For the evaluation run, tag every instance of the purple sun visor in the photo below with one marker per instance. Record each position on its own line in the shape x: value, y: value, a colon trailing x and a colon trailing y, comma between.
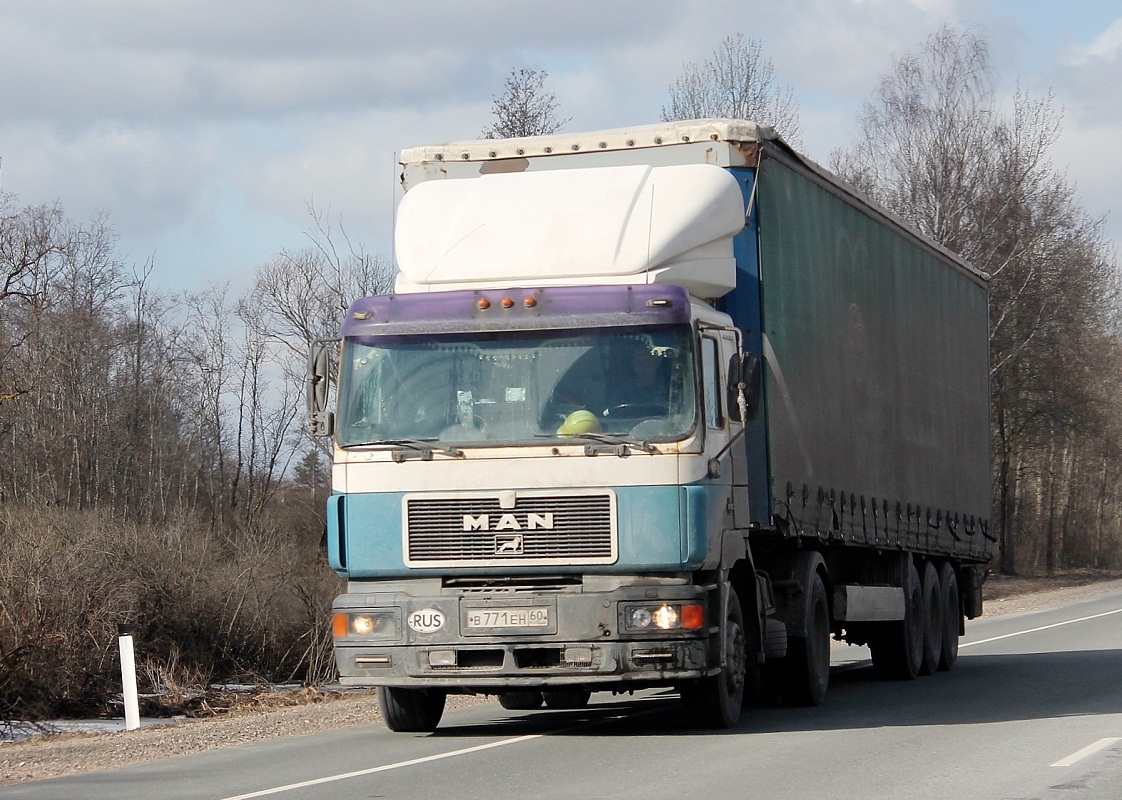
x: 555, y: 307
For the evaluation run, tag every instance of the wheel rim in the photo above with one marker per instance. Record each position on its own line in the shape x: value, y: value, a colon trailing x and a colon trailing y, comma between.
x: 734, y: 675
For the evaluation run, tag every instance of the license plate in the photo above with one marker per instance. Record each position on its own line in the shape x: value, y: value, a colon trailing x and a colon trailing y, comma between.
x: 530, y: 617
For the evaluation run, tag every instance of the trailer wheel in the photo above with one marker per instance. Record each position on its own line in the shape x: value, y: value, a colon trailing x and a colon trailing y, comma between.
x: 521, y: 701
x: 567, y: 698
x: 411, y: 710
x: 715, y: 701
x: 806, y: 668
x: 932, y: 621
x: 897, y: 649
x: 952, y: 616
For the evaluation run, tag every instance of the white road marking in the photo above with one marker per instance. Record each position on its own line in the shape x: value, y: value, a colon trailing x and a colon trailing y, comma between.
x: 385, y: 767
x: 438, y: 756
x: 1041, y: 628
x: 1089, y: 750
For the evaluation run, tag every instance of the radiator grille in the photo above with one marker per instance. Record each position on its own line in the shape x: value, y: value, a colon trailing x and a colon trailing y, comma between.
x: 539, y: 529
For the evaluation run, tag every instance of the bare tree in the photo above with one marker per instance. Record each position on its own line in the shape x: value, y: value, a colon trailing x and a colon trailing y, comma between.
x: 301, y: 296
x: 927, y: 137
x: 525, y: 108
x: 144, y: 441
x: 935, y: 149
x: 738, y: 83
x: 34, y: 242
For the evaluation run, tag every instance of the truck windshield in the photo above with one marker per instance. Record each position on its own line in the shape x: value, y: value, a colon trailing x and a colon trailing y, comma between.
x: 492, y: 388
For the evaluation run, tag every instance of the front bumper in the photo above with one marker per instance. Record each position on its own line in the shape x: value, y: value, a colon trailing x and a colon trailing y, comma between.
x: 580, y: 641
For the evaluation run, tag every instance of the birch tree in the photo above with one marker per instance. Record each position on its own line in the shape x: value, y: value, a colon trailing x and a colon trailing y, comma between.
x: 525, y: 108
x: 935, y: 148
x: 737, y: 82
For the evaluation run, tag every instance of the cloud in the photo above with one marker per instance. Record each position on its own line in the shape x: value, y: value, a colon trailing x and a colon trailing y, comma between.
x: 205, y: 126
x: 82, y: 60
x: 1105, y: 49
x: 143, y: 178
x: 1088, y: 80
x: 1080, y: 152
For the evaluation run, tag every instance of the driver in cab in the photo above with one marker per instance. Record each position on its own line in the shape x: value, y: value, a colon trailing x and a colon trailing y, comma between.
x: 637, y: 387
x: 641, y: 386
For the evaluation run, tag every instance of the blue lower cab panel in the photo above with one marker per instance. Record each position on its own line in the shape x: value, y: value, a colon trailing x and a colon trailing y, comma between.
x: 659, y: 528
x: 703, y: 506
x: 334, y: 535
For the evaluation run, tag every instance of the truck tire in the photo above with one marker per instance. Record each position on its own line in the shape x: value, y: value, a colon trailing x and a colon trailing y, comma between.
x: 932, y: 621
x: 715, y: 701
x: 952, y: 617
x: 521, y: 701
x: 897, y: 648
x: 411, y: 710
x: 566, y: 698
x: 806, y: 669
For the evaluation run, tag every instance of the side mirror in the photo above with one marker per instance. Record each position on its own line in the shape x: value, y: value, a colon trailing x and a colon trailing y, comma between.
x: 743, y: 386
x: 321, y: 422
x: 752, y: 383
x: 732, y: 398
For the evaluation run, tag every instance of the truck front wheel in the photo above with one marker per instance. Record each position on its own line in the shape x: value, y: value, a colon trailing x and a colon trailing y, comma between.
x: 411, y: 710
x: 806, y: 669
x: 715, y: 701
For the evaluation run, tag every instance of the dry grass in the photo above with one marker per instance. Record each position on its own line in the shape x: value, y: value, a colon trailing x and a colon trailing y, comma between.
x: 208, y: 606
x: 1001, y: 587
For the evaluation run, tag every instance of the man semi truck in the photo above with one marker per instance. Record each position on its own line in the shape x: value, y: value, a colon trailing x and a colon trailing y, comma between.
x: 666, y: 406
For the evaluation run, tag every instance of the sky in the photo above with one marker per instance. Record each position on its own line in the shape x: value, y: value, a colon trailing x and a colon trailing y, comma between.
x: 204, y: 130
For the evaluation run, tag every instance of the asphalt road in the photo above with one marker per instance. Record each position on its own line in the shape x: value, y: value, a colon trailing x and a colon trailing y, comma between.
x: 1033, y: 710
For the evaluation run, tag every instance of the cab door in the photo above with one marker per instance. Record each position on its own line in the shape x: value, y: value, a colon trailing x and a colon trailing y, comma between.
x: 724, y: 443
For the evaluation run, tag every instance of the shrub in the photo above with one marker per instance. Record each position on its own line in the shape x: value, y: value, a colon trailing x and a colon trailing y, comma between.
x: 207, y: 606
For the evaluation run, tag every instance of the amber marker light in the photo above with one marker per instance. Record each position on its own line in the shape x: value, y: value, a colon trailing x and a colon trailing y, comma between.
x: 693, y: 616
x: 338, y: 625
x: 507, y: 302
x: 529, y: 302
x: 483, y: 303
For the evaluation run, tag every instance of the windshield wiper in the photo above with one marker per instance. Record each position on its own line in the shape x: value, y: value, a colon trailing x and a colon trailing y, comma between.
x: 404, y: 449
x: 619, y: 443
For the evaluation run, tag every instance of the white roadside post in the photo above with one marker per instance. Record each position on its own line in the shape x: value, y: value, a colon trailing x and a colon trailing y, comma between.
x: 128, y: 677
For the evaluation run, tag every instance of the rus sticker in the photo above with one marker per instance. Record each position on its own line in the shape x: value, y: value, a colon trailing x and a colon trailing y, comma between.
x: 426, y: 620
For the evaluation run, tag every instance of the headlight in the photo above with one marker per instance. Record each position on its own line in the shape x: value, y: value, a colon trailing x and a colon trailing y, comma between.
x: 638, y: 618
x: 365, y: 624
x: 664, y: 617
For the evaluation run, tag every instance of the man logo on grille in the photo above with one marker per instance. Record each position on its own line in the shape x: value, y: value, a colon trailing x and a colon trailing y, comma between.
x: 509, y: 545
x: 508, y: 522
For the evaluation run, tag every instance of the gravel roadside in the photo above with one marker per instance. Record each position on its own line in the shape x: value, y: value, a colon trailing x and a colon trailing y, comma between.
x: 55, y: 756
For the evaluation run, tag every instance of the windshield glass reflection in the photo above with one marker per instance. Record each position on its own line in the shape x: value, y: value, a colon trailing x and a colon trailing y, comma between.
x: 492, y: 388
